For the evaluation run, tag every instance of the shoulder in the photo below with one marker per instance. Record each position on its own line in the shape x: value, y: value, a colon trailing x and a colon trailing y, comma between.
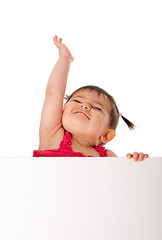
x: 51, y: 140
x: 110, y: 153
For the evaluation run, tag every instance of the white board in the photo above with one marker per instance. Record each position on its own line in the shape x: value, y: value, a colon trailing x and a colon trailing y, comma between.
x: 80, y: 199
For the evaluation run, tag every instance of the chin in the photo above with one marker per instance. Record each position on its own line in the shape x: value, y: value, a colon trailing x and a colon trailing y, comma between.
x: 74, y: 130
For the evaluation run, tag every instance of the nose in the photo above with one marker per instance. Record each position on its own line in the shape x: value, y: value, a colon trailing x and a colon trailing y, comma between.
x: 86, y: 106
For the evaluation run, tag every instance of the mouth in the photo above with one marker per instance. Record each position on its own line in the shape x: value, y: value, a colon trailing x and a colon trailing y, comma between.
x: 82, y: 113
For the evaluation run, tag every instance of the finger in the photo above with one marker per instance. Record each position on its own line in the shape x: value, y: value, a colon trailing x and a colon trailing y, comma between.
x: 141, y: 156
x: 129, y: 155
x: 55, y: 38
x: 146, y: 156
x: 135, y: 156
x: 60, y: 40
x: 56, y: 42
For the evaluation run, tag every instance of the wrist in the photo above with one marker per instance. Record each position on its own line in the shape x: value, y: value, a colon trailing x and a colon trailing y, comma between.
x: 67, y: 58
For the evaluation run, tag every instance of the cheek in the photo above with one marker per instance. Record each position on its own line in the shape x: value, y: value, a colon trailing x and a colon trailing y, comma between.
x: 101, y: 121
x: 64, y: 119
x: 98, y: 121
x: 66, y: 114
x: 98, y: 117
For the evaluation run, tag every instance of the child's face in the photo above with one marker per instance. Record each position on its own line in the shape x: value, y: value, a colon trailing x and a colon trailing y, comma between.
x: 87, y: 115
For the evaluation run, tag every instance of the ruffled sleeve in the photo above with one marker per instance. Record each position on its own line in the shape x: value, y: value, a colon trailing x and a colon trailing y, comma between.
x: 101, y: 150
x: 66, y: 142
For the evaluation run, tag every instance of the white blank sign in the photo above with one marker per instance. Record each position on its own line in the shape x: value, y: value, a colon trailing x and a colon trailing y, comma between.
x: 80, y: 199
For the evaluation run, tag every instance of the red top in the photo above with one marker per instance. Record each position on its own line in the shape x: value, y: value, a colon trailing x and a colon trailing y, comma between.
x: 65, y: 150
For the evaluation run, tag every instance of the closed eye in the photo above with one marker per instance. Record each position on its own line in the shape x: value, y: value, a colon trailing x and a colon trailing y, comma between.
x: 97, y: 108
x: 76, y: 101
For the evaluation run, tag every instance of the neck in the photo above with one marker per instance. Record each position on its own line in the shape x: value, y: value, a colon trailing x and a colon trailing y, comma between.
x: 80, y: 142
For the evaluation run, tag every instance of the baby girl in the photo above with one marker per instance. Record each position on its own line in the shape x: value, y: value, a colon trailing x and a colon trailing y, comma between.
x: 85, y: 123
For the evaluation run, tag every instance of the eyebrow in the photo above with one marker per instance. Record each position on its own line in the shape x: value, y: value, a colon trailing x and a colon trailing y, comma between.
x: 93, y: 102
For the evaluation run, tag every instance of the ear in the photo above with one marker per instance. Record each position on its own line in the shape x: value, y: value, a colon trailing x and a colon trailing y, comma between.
x: 108, y: 136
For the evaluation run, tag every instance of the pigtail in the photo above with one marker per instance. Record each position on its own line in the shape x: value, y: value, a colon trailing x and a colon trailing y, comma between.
x: 66, y: 96
x: 129, y: 124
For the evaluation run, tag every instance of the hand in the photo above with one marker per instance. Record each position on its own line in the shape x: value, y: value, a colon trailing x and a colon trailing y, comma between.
x: 63, y: 50
x: 137, y: 156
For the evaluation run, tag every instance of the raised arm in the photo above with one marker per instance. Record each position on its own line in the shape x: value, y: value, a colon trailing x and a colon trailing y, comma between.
x: 54, y: 95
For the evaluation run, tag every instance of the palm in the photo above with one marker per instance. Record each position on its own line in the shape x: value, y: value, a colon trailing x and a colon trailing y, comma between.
x: 63, y: 50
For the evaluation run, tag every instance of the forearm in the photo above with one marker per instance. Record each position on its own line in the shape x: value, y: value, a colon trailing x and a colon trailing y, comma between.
x: 58, y: 77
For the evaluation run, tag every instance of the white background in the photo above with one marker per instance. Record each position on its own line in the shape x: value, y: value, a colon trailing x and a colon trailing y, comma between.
x: 116, y: 46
